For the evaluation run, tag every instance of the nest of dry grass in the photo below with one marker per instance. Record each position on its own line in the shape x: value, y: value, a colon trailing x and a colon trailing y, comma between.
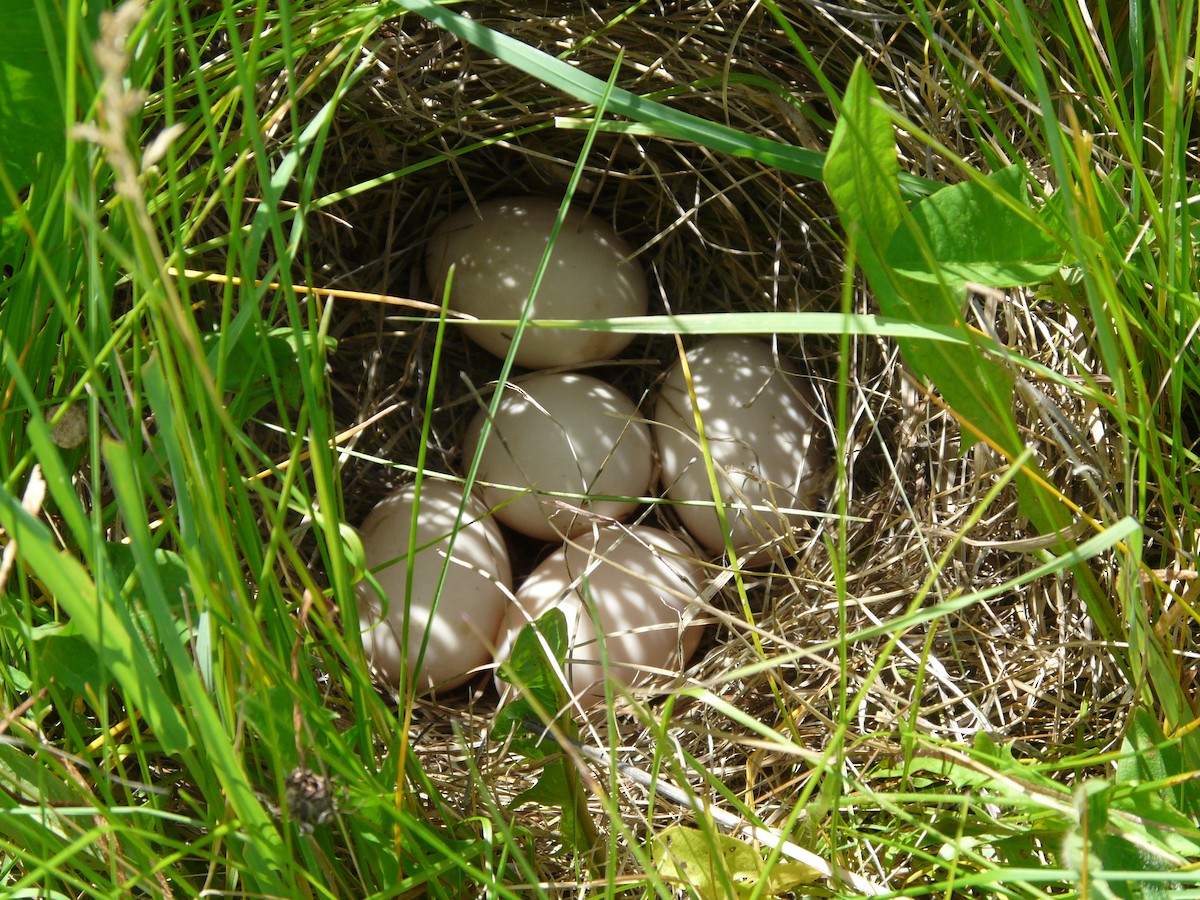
x: 715, y: 234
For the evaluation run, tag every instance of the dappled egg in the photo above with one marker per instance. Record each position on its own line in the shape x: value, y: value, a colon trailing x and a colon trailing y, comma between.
x: 496, y: 249
x: 462, y: 628
x: 639, y: 584
x: 563, y: 449
x: 765, y: 439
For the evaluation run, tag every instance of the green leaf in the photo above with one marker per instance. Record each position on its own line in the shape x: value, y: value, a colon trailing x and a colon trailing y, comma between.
x: 1149, y: 755
x: 529, y: 668
x: 30, y: 107
x: 542, y: 693
x: 1096, y: 847
x: 14, y: 244
x: 252, y: 369
x: 1112, y: 206
x: 1164, y: 790
x: 32, y: 779
x: 1004, y: 761
x: 104, y: 623
x: 861, y: 173
x: 171, y: 571
x: 983, y: 231
x: 269, y: 711
x: 708, y: 862
x: 991, y: 759
x: 156, y: 603
x: 72, y: 662
x: 557, y: 786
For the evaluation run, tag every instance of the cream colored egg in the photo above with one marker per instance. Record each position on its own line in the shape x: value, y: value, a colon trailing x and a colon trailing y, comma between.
x: 565, y: 434
x: 462, y: 629
x: 763, y: 434
x: 638, y: 583
x: 496, y: 251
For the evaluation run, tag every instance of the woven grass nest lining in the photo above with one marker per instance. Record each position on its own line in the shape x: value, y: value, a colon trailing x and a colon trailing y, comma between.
x: 716, y: 233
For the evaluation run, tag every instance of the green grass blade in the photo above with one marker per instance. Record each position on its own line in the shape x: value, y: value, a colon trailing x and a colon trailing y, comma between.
x: 106, y: 625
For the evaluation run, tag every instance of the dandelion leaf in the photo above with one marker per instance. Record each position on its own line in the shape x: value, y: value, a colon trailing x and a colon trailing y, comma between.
x: 530, y: 670
x: 862, y: 176
x: 720, y: 867
x: 985, y: 231
x: 539, y: 650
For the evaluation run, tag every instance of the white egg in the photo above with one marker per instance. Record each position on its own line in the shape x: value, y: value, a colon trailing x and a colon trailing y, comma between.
x: 474, y: 596
x: 563, y: 433
x: 763, y: 435
x: 638, y: 583
x: 496, y: 252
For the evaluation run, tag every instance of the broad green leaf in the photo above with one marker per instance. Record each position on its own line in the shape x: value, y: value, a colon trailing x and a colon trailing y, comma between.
x: 1164, y: 789
x: 710, y: 861
x: 1111, y: 205
x: 73, y: 663
x: 249, y: 366
x: 529, y: 669
x: 1003, y: 760
x: 18, y: 679
x: 861, y: 173
x: 30, y: 107
x: 156, y: 601
x: 14, y: 244
x: 105, y: 625
x: 171, y: 571
x: 1147, y: 755
x: 1175, y: 759
x: 33, y: 781
x: 556, y: 787
x: 1025, y: 849
x: 1108, y: 852
x: 983, y: 231
x: 542, y: 694
x: 269, y: 711
x: 968, y: 778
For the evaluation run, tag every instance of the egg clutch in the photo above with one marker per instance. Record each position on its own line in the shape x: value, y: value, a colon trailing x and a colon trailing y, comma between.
x: 568, y: 459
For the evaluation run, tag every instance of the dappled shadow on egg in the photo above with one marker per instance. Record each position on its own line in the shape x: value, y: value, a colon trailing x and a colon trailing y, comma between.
x: 496, y: 250
x: 637, y: 585
x: 763, y: 435
x: 570, y: 436
x: 470, y: 605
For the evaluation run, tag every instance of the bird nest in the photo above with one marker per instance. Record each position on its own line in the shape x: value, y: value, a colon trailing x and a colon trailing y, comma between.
x: 827, y: 633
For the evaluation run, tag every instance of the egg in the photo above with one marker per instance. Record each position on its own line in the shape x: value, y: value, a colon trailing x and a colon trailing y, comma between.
x: 496, y: 249
x: 638, y: 583
x: 462, y: 630
x: 763, y: 434
x: 563, y: 433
